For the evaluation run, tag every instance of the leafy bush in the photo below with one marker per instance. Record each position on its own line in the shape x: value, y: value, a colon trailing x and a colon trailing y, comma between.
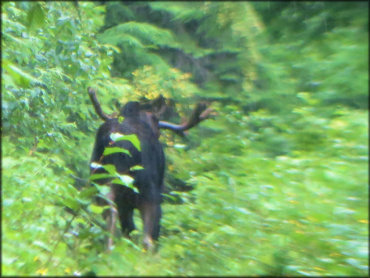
x: 279, y: 177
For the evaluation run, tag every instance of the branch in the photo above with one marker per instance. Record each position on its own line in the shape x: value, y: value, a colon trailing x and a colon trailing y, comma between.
x: 95, y: 102
x: 200, y: 113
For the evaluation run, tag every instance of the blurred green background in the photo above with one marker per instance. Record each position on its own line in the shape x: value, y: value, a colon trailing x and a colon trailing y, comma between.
x: 276, y: 184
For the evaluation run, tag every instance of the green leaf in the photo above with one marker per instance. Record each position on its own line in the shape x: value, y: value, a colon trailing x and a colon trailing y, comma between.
x: 132, y: 244
x: 42, y: 245
x: 100, y: 176
x: 111, y: 150
x: 121, y: 119
x: 103, y: 189
x: 172, y: 198
x: 87, y: 193
x: 136, y: 168
x: 131, y: 137
x: 125, y: 180
x: 110, y: 168
x: 95, y: 165
x: 36, y: 17
x: 20, y: 77
x: 97, y: 209
x: 71, y: 190
x: 71, y: 203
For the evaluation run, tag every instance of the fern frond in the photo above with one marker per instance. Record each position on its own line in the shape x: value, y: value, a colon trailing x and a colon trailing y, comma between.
x: 145, y: 33
x: 114, y: 38
x: 118, y: 12
x: 183, y: 12
x: 190, y: 46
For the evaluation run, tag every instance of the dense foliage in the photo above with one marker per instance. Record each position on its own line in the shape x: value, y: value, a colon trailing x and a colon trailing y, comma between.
x: 279, y: 178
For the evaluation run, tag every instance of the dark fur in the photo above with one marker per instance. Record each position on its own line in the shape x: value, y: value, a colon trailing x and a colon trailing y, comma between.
x: 149, y: 181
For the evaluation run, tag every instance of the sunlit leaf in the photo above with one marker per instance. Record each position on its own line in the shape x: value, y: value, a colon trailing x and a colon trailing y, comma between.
x: 110, y: 168
x: 97, y: 209
x: 95, y: 165
x: 136, y: 168
x: 126, y: 179
x: 42, y: 245
x: 36, y: 16
x: 131, y: 137
x: 19, y: 76
x: 100, y: 176
x: 103, y: 189
x: 111, y: 150
x: 71, y: 203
